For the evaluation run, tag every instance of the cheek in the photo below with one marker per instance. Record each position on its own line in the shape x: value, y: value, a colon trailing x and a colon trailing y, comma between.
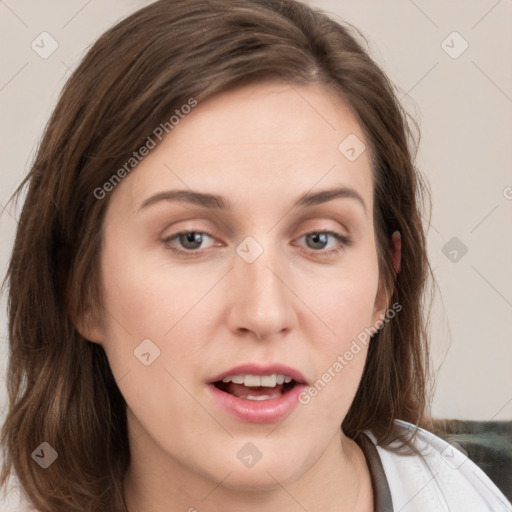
x: 145, y: 294
x: 147, y: 299
x: 344, y: 302
x: 344, y: 309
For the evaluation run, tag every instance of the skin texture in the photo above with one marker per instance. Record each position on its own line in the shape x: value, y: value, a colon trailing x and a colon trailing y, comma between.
x: 260, y: 146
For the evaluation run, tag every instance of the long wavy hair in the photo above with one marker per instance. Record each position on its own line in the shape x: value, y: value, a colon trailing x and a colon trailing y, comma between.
x: 61, y: 389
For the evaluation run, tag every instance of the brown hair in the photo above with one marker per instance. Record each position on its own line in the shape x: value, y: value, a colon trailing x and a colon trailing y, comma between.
x: 61, y: 389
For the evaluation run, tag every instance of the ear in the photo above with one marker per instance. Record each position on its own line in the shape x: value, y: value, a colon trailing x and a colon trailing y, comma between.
x: 89, y: 326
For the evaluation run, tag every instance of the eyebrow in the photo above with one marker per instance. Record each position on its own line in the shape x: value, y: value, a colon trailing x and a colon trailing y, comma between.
x: 218, y: 202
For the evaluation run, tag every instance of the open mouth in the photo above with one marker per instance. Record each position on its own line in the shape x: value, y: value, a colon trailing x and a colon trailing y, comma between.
x: 256, y: 387
x: 258, y: 394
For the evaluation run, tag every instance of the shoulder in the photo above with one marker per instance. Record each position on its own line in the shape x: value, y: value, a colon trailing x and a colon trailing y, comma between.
x: 433, y: 475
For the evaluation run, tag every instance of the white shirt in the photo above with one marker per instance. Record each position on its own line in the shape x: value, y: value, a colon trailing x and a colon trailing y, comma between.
x: 438, y: 478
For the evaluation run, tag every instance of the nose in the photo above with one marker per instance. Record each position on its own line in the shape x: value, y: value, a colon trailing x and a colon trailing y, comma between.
x: 261, y: 300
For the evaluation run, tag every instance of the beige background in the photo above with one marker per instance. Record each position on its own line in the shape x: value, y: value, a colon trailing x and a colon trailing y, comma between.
x: 464, y: 107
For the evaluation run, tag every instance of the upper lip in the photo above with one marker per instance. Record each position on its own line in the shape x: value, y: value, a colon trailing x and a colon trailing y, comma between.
x: 256, y: 369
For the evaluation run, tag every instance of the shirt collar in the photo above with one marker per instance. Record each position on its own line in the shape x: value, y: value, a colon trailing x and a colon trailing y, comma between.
x: 381, y: 493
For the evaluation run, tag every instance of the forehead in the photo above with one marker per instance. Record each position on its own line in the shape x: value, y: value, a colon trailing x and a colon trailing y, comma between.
x: 261, y: 138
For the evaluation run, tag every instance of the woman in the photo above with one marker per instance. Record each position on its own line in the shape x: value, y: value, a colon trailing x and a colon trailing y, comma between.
x: 221, y: 261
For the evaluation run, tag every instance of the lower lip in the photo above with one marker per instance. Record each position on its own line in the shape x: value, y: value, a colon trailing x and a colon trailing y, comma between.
x: 272, y: 410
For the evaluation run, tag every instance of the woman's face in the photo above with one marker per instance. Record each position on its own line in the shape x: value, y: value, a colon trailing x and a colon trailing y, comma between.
x: 254, y: 292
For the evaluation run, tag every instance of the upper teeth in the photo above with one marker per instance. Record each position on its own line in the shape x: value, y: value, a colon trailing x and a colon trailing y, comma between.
x: 268, y: 381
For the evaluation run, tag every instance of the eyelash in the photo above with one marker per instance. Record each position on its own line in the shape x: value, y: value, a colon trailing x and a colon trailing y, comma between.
x: 344, y: 241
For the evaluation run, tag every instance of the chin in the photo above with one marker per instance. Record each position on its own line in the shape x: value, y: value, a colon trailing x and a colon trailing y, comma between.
x: 270, y: 469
